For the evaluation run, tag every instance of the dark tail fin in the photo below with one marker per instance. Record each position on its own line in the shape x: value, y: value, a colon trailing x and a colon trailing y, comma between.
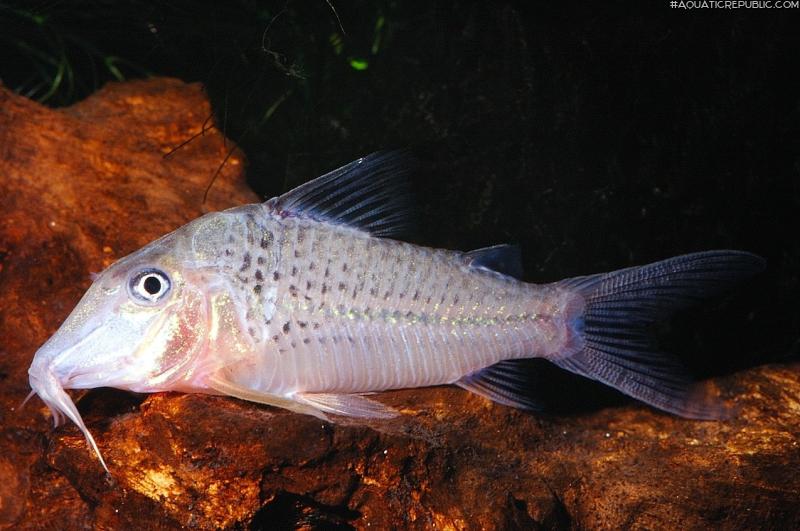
x: 614, y: 346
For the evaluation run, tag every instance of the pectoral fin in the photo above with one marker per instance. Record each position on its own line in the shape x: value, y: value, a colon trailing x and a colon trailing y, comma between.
x: 226, y: 387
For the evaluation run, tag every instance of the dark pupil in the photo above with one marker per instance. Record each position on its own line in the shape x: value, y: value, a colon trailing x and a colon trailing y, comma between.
x: 152, y: 285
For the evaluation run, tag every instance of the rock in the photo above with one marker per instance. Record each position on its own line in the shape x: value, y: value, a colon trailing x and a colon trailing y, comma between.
x: 84, y: 185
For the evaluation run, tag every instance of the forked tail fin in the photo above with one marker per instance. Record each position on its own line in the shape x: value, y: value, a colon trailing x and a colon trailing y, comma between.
x: 614, y: 345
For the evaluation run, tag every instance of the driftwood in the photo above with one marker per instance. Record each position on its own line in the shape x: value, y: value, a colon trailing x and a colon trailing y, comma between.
x: 85, y: 185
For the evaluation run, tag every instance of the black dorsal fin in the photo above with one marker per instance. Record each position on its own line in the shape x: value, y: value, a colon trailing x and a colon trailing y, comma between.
x: 505, y: 259
x: 371, y: 194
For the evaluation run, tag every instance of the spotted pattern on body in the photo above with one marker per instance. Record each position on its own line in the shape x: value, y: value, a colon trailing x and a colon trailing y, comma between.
x: 345, y: 307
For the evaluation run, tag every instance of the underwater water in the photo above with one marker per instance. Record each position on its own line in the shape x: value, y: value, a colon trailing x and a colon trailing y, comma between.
x: 595, y: 138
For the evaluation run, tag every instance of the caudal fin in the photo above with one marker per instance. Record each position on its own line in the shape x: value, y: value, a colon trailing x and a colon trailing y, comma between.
x: 614, y: 346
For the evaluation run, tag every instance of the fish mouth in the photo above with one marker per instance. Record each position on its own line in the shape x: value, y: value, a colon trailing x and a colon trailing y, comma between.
x: 45, y: 384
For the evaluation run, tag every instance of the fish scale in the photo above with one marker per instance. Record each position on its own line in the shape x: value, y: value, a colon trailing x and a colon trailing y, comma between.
x: 307, y: 301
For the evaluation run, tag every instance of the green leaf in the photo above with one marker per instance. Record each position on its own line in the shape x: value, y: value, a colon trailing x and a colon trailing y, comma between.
x: 358, y: 64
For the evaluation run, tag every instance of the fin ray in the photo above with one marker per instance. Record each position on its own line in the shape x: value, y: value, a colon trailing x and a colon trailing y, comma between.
x: 614, y: 346
x: 371, y: 194
x: 226, y: 387
x: 316, y: 404
x: 349, y: 405
x: 504, y: 258
x: 510, y: 382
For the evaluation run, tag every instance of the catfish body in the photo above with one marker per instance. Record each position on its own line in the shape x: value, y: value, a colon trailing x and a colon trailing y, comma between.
x: 304, y: 302
x: 331, y: 309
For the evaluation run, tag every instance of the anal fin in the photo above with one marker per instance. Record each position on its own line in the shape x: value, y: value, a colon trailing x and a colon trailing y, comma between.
x: 511, y: 383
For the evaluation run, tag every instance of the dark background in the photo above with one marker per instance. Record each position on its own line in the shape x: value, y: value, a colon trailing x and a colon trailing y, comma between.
x: 596, y: 137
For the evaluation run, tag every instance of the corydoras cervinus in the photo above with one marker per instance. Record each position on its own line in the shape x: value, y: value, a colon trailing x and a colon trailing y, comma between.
x: 304, y: 302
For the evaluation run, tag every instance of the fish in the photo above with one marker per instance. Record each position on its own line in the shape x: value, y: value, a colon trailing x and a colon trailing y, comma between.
x: 311, y: 302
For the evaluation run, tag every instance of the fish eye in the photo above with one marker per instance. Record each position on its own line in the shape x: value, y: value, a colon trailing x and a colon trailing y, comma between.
x: 149, y: 285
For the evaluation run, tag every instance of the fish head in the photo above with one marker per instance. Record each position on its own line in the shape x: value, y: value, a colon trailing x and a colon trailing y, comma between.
x: 144, y: 322
x: 139, y: 321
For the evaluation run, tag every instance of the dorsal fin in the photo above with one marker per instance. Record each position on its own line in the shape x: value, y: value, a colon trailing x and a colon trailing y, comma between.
x: 371, y: 194
x: 505, y: 259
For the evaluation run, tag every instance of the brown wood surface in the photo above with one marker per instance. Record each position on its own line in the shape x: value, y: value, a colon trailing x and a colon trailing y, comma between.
x: 84, y: 185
